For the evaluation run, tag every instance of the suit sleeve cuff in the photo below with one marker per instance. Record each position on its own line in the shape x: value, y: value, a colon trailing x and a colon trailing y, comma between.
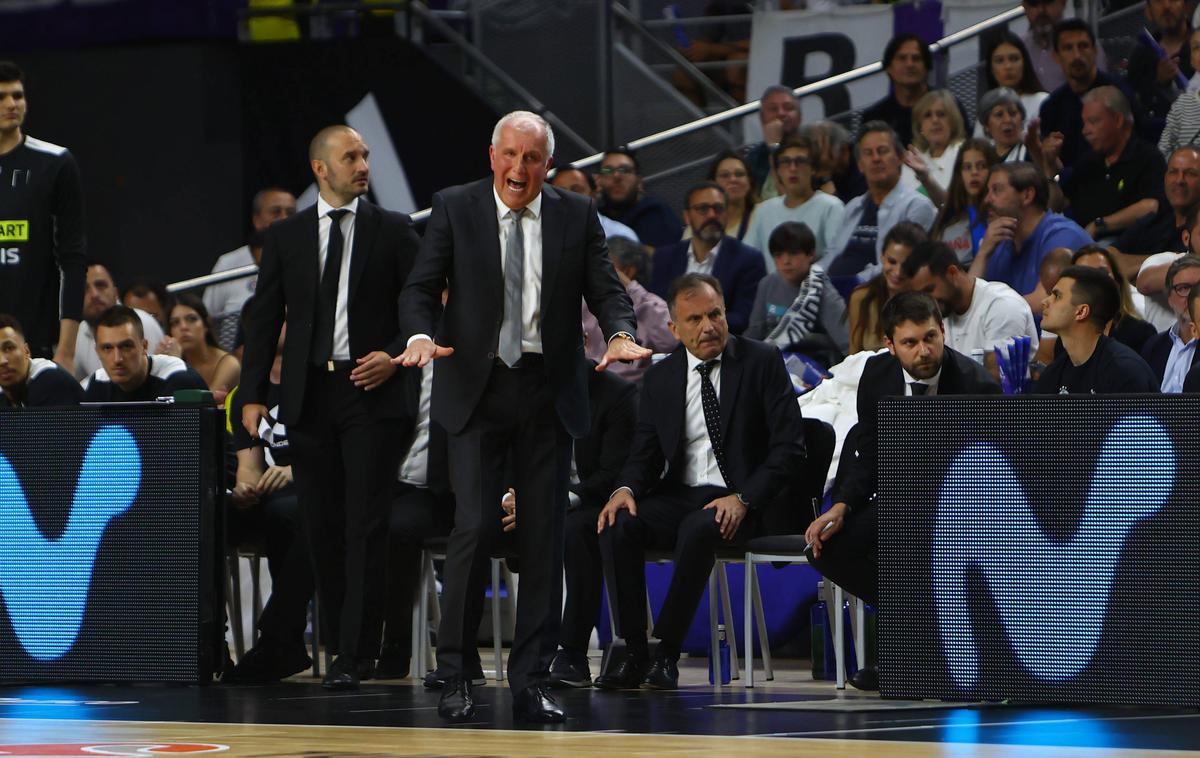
x: 416, y: 337
x: 626, y: 335
x: 618, y: 489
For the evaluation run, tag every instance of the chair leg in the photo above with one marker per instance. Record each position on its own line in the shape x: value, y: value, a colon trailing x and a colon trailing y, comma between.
x: 714, y: 651
x: 839, y: 646
x: 496, y: 633
x: 235, y: 603
x: 649, y: 615
x: 255, y: 594
x: 763, y: 640
x: 747, y: 631
x: 316, y: 637
x: 727, y: 612
x: 860, y: 631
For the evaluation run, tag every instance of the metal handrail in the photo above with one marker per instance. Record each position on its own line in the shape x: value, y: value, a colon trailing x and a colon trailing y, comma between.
x: 653, y: 139
x: 677, y: 58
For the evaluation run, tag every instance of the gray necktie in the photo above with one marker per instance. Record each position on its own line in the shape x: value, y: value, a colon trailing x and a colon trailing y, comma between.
x: 514, y: 277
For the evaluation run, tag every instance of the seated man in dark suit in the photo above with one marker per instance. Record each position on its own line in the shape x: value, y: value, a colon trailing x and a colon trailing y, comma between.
x: 129, y: 373
x: 720, y: 415
x: 1191, y: 383
x: 28, y: 382
x: 1172, y: 353
x: 737, y: 267
x: 844, y: 539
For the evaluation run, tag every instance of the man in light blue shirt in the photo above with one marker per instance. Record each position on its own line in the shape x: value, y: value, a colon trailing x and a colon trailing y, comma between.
x: 1172, y: 353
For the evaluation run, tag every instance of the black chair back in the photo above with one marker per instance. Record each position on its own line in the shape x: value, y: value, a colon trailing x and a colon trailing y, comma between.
x: 800, y: 503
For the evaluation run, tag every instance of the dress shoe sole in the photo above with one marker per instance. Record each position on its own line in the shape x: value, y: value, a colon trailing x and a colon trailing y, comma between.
x: 570, y: 684
x: 449, y: 715
x: 659, y: 686
x: 616, y: 686
x: 343, y: 686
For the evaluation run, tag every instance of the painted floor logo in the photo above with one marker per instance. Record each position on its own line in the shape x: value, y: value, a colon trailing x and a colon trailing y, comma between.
x: 1052, y: 595
x: 112, y: 749
x: 45, y: 582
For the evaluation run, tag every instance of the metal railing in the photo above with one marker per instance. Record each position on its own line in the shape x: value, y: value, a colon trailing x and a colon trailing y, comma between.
x: 665, y: 135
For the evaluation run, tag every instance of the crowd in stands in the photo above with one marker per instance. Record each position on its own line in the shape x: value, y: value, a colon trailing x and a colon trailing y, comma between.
x: 1063, y: 207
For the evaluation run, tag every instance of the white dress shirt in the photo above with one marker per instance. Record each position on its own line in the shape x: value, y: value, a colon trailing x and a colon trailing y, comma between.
x: 414, y: 469
x: 341, y: 320
x: 1179, y: 361
x: 531, y: 288
x: 702, y: 267
x: 700, y: 464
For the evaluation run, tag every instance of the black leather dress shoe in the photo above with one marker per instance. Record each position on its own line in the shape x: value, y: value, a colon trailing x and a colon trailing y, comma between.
x: 266, y: 663
x: 457, y: 703
x: 570, y: 670
x: 626, y: 675
x: 535, y: 705
x: 663, y: 675
x: 342, y: 675
x: 435, y: 679
x: 866, y: 679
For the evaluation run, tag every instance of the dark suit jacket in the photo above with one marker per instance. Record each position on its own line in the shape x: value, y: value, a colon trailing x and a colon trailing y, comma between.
x: 1157, y: 350
x: 882, y: 376
x: 462, y: 245
x: 600, y: 455
x: 739, y: 268
x: 385, y: 246
x: 761, y: 427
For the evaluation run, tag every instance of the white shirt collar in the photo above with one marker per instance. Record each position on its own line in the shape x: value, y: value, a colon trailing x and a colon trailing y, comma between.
x: 323, y: 208
x: 712, y: 254
x: 931, y: 381
x: 534, y: 208
x: 693, y: 361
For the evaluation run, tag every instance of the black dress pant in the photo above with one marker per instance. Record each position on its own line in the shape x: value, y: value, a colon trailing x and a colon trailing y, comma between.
x: 672, y: 518
x: 584, y: 578
x: 344, y: 462
x: 850, y: 558
x: 514, y: 438
x: 417, y: 515
x: 273, y: 527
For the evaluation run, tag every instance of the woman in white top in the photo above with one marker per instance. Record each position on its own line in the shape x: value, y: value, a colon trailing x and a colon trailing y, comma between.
x: 1002, y: 115
x: 938, y: 130
x: 1008, y: 65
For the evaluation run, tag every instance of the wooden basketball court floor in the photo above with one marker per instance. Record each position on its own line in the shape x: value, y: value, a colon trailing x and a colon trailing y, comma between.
x: 386, y: 718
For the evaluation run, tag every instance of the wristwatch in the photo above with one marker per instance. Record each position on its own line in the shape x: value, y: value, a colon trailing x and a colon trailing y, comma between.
x: 742, y: 499
x: 1100, y: 224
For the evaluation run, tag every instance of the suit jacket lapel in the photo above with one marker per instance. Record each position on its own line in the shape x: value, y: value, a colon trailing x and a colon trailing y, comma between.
x: 725, y: 260
x: 364, y: 239
x: 484, y: 236
x: 674, y: 399
x: 310, y: 266
x: 731, y: 379
x: 552, y: 239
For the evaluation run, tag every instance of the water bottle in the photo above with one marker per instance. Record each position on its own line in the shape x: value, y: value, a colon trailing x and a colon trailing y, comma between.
x: 723, y: 658
x: 822, y: 642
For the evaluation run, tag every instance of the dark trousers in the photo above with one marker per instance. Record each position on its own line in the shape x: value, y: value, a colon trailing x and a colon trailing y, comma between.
x: 670, y: 519
x: 850, y: 559
x: 585, y: 580
x: 344, y: 462
x: 514, y: 438
x: 417, y: 515
x: 273, y: 528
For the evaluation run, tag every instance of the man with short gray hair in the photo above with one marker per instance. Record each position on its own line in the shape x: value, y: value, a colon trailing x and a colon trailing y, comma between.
x: 1121, y: 180
x: 510, y: 387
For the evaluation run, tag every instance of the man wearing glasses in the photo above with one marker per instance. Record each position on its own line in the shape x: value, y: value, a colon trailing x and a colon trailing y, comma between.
x: 622, y: 199
x: 739, y: 268
x: 1172, y: 353
x: 820, y: 212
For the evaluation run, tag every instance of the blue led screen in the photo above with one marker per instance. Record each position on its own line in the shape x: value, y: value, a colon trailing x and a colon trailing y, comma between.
x: 1041, y: 549
x: 101, y: 523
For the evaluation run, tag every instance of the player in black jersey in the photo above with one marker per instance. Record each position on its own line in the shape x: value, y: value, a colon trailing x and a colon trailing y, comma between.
x: 42, y: 245
x: 130, y: 374
x: 26, y: 381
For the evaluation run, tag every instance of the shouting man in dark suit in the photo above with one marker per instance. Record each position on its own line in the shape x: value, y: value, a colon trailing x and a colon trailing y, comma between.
x: 337, y: 269
x: 844, y: 538
x: 517, y: 257
x: 721, y: 415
